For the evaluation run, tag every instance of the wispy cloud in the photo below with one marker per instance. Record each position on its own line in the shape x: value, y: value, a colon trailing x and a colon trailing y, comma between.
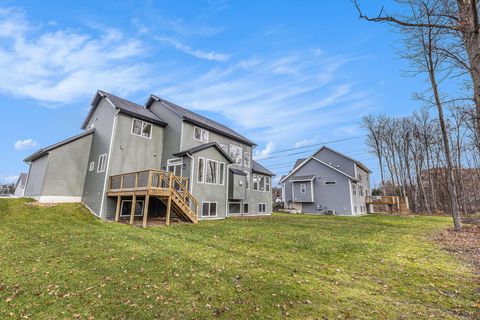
x: 265, y: 151
x: 207, y: 55
x: 60, y: 66
x: 25, y: 144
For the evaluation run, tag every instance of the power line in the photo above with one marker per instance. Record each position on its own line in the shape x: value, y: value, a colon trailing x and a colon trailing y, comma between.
x: 311, y: 145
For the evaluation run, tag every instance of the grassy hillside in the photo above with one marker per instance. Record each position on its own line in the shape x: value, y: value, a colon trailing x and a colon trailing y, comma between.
x: 61, y: 262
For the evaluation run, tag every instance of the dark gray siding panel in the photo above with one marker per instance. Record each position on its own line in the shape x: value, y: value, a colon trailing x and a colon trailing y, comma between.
x: 102, y: 119
x: 299, y: 196
x: 36, y: 177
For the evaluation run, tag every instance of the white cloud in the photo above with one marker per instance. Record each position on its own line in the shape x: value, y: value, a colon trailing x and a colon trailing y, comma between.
x: 25, y: 144
x: 307, y: 142
x: 207, y: 55
x: 56, y: 67
x: 259, y: 154
x: 9, y: 179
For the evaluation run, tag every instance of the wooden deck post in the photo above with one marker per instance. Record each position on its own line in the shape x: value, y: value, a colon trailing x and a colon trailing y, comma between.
x: 117, y: 212
x: 145, y: 210
x: 132, y: 212
x: 169, y: 208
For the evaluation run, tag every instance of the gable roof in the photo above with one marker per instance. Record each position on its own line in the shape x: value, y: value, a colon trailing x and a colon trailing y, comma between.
x: 124, y: 106
x: 320, y: 161
x: 298, y: 162
x: 199, y: 120
x: 258, y: 168
x: 44, y: 151
x: 22, y: 180
x: 203, y: 147
x: 358, y: 163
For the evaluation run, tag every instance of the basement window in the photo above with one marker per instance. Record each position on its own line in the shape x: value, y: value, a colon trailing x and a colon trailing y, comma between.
x: 126, y: 208
x: 262, y: 208
x: 209, y: 209
x: 234, y: 207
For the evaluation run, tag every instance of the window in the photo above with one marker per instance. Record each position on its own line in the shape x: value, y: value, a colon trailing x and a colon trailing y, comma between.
x: 209, y: 209
x: 262, y: 207
x: 355, y: 209
x: 211, y: 172
x: 360, y: 191
x: 267, y: 184
x: 102, y: 163
x: 224, y: 147
x: 246, y: 159
x: 330, y: 182
x: 200, y: 134
x: 262, y: 183
x: 303, y: 188
x: 175, y: 166
x: 354, y: 189
x: 247, y: 180
x: 201, y: 170
x: 255, y: 181
x: 236, y: 154
x: 234, y: 207
x: 221, y: 173
x: 245, y: 208
x: 141, y: 128
x: 92, y: 166
x: 126, y: 208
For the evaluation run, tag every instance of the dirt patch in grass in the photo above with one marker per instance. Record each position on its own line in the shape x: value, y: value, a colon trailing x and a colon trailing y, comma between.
x: 465, y: 244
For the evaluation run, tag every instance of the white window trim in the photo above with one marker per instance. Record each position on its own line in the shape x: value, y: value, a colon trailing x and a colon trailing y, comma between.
x: 135, y: 215
x: 218, y: 178
x: 216, y: 174
x: 175, y: 162
x: 143, y: 123
x: 92, y: 166
x: 216, y: 209
x: 243, y: 207
x: 203, y: 169
x: 240, y: 211
x: 100, y: 163
x: 303, y: 188
x: 201, y: 129
x: 330, y: 184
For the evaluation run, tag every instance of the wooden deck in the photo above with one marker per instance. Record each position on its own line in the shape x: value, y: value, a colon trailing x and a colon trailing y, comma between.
x: 394, y: 203
x: 170, y: 189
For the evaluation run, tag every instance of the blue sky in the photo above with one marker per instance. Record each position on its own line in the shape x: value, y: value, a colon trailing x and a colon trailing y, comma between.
x: 283, y: 73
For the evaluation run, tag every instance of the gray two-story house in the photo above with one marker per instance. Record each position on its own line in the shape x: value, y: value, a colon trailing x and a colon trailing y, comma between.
x: 152, y: 161
x: 327, y: 182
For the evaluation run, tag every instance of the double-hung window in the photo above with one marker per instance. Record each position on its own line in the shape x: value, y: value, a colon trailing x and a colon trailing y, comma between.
x: 246, y: 159
x: 236, y: 154
x: 141, y: 128
x: 267, y: 183
x: 262, y: 207
x: 255, y: 181
x: 303, y: 188
x: 209, y: 209
x: 200, y: 134
x: 102, y: 163
x: 211, y: 171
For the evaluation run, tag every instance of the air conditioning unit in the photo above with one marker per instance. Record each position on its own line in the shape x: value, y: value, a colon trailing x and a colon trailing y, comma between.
x: 330, y: 212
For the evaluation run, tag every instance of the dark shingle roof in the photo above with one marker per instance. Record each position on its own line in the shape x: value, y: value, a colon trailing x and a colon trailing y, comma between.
x: 238, y: 171
x: 257, y: 167
x: 302, y: 178
x: 200, y: 120
x: 44, y: 151
x: 124, y: 106
x: 203, y: 147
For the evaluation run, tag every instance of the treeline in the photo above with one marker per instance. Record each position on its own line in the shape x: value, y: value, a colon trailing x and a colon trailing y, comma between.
x: 412, y: 160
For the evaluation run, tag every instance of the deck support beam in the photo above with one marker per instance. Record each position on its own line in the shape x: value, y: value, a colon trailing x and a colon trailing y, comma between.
x: 169, y: 209
x: 117, y: 212
x: 132, y: 212
x: 145, y: 211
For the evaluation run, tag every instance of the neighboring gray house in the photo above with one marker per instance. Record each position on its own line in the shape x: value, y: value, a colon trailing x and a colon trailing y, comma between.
x: 20, y: 185
x: 327, y: 182
x: 126, y: 148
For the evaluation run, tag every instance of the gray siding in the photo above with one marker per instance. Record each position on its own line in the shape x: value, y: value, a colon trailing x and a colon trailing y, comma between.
x: 66, y: 168
x: 132, y: 153
x: 36, y: 177
x: 299, y: 196
x: 336, y: 160
x: 236, y: 186
x: 102, y: 119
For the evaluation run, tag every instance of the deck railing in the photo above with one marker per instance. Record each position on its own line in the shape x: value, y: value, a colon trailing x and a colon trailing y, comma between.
x: 151, y: 180
x: 382, y: 200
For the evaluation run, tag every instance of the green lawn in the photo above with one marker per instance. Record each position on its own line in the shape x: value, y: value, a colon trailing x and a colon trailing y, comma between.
x: 61, y: 262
